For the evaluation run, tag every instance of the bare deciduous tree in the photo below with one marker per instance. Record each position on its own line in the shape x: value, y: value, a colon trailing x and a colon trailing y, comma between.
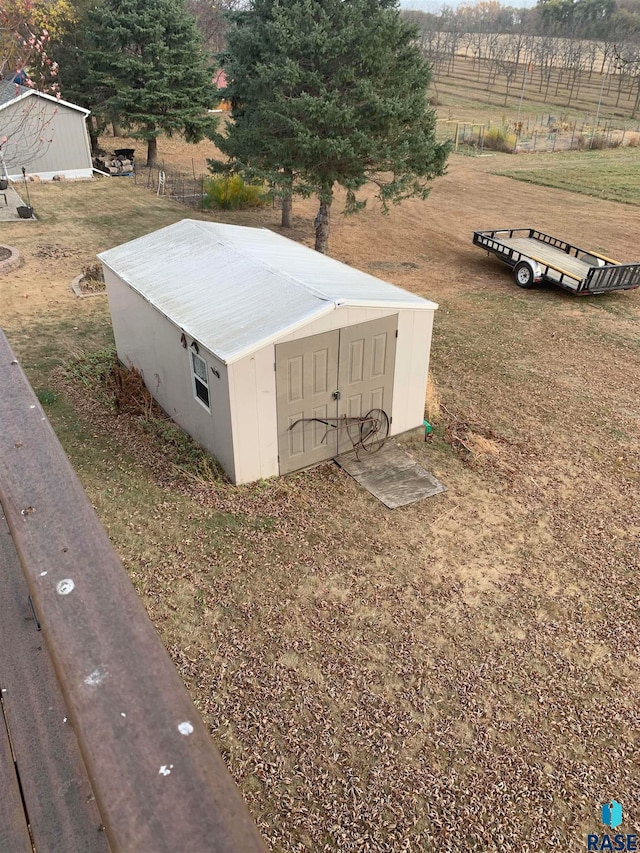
x: 210, y: 15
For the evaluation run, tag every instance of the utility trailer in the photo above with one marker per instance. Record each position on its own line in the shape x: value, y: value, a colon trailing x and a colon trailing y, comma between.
x: 535, y: 257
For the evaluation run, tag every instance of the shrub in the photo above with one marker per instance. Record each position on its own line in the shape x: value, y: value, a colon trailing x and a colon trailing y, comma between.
x: 123, y: 391
x: 92, y: 280
x: 92, y: 370
x: 597, y: 142
x: 232, y: 193
x: 93, y: 272
x: 499, y: 139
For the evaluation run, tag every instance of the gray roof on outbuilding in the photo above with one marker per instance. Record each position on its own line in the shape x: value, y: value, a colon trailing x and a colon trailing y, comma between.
x: 9, y: 91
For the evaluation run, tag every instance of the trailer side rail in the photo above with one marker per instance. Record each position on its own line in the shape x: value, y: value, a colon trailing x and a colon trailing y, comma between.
x: 569, y: 248
x: 489, y: 241
x: 540, y: 236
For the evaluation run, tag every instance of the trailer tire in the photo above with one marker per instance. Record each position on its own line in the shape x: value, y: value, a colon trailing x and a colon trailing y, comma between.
x: 524, y: 274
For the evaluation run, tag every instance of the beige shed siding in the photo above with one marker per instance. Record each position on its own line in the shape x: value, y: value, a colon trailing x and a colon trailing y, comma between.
x: 148, y: 340
x: 411, y: 370
x: 46, y: 138
x: 253, y: 385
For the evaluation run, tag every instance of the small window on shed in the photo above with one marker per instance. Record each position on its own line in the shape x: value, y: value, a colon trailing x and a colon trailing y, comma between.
x: 200, y: 379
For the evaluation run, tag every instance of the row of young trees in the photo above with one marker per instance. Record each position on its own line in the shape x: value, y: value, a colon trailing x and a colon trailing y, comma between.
x: 503, y: 45
x: 608, y: 20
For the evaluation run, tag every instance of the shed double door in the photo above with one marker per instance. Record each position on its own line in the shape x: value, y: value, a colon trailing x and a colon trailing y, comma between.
x: 347, y: 371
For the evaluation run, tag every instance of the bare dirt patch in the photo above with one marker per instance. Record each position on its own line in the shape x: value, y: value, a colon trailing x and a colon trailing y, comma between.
x: 458, y: 674
x: 52, y: 251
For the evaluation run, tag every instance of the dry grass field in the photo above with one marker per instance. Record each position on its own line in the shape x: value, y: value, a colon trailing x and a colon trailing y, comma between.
x: 460, y: 674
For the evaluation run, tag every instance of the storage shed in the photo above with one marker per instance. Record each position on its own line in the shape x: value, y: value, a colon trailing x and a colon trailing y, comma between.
x: 240, y: 332
x: 46, y: 135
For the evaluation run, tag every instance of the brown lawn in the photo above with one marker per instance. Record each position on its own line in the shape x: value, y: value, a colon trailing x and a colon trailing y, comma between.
x: 461, y: 674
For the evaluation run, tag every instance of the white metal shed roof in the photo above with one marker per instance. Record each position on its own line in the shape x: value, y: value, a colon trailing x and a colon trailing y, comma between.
x: 234, y: 288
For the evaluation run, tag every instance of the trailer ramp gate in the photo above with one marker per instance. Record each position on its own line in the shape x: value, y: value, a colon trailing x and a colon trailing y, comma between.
x: 605, y: 279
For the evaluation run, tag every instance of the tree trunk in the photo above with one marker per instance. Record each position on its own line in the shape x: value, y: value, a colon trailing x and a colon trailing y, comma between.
x: 287, y: 197
x: 637, y: 102
x: 92, y: 127
x: 116, y: 128
x: 323, y: 218
x: 152, y: 151
x: 287, y: 204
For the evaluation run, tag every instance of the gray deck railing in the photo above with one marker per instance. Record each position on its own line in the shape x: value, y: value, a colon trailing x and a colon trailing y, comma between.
x: 158, y: 781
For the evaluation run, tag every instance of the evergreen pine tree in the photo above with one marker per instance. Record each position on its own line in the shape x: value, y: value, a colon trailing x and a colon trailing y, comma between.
x: 147, y: 60
x: 328, y: 92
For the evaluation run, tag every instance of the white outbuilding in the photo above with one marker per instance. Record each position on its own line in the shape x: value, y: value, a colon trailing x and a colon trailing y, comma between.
x: 239, y: 333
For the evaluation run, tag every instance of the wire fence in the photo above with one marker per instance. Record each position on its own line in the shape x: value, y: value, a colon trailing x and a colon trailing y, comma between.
x: 186, y: 188
x: 545, y: 133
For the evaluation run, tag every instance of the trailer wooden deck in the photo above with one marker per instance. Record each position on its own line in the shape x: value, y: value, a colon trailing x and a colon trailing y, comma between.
x: 556, y: 259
